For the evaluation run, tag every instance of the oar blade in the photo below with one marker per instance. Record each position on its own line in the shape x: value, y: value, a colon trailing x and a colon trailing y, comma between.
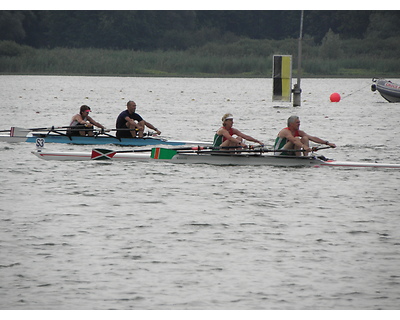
x: 18, y: 132
x: 102, y: 154
x: 163, y: 153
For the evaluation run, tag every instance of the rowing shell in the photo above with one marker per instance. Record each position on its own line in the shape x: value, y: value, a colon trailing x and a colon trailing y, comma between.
x: 25, y: 135
x: 209, y: 158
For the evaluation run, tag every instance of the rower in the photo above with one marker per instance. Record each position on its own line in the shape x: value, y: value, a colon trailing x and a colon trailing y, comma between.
x: 291, y: 138
x: 82, y: 124
x: 227, y: 136
x: 131, y: 123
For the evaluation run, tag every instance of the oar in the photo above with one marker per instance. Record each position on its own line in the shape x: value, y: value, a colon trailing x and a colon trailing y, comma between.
x: 250, y: 150
x: 57, y: 128
x: 13, y: 128
x: 168, y: 153
x: 49, y: 128
x: 165, y: 153
x: 313, y: 149
x: 198, y: 148
x: 34, y: 129
x: 123, y: 129
x: 104, y: 154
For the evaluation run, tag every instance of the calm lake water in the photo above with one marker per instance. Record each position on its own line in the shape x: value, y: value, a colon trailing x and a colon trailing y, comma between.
x: 102, y: 235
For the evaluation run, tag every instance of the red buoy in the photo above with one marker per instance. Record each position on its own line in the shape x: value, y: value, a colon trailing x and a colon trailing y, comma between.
x: 335, y: 97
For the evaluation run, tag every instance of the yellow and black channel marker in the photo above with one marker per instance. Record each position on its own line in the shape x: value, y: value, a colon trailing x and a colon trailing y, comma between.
x: 282, y: 78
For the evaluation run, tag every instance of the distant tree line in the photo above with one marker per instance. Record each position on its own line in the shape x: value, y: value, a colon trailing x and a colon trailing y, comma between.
x: 182, y: 30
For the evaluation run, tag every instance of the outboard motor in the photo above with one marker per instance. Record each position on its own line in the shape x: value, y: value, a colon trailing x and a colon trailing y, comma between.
x: 373, y: 86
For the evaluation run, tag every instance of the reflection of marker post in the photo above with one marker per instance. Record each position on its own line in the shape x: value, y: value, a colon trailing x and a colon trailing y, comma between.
x: 296, y: 95
x: 296, y: 88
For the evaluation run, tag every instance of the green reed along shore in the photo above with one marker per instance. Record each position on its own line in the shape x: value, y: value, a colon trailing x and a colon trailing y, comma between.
x: 244, y: 58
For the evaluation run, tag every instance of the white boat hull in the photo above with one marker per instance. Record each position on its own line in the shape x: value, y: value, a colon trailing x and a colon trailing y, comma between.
x: 246, y: 159
x: 242, y: 159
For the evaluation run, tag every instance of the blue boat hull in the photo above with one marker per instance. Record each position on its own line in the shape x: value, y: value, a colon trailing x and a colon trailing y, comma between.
x: 101, y: 140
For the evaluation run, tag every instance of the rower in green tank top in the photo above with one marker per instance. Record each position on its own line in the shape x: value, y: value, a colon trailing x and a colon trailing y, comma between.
x: 292, y: 137
x: 227, y: 136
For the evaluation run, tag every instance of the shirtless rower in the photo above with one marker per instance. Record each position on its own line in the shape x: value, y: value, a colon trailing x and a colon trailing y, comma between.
x: 82, y: 124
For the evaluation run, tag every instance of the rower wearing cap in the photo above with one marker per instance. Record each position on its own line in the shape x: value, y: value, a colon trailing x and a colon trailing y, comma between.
x: 82, y: 124
x: 224, y: 137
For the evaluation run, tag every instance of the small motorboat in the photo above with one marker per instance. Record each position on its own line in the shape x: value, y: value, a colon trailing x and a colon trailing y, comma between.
x: 388, y: 90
